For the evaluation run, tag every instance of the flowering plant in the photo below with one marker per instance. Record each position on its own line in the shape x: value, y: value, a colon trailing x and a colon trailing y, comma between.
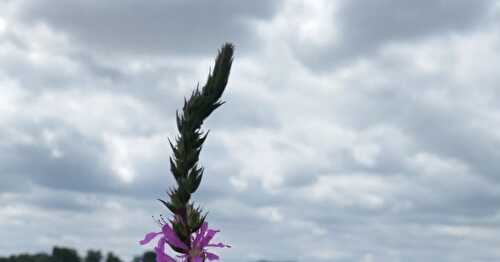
x: 196, y: 252
x: 187, y: 232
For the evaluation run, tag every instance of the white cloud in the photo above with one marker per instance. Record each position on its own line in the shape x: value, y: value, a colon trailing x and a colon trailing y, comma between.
x: 346, y: 191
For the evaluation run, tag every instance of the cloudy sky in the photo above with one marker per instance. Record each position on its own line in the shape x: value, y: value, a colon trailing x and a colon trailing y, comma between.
x: 356, y: 131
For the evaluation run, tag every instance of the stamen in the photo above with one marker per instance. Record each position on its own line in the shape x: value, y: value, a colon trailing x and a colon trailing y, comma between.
x: 163, y: 219
x: 157, y: 221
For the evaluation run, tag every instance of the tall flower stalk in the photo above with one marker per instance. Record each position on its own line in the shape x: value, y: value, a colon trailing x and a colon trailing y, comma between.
x: 187, y: 232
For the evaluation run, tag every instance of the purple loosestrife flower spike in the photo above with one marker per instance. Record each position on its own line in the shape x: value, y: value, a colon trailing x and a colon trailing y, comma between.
x: 187, y: 233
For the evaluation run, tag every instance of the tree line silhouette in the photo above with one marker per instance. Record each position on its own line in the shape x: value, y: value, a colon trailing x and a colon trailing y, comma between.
x: 65, y: 254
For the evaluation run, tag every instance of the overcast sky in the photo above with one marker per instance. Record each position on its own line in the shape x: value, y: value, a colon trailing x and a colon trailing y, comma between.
x: 354, y: 131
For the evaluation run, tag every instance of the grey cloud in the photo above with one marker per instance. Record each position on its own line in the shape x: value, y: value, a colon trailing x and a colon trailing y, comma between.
x: 364, y: 27
x: 241, y: 112
x: 403, y: 102
x: 446, y: 132
x: 34, y: 77
x: 51, y: 200
x: 81, y: 167
x: 171, y: 27
x: 395, y: 234
x: 161, y: 86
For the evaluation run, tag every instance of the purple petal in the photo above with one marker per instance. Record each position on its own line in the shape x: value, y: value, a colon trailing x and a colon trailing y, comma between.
x: 149, y: 237
x: 183, y: 257
x: 161, y: 244
x: 211, y: 256
x: 200, y: 233
x: 206, y: 239
x: 203, y: 228
x: 160, y: 253
x: 172, y: 238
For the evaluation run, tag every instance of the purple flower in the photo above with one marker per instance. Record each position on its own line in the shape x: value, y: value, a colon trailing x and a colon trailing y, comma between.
x: 195, y: 253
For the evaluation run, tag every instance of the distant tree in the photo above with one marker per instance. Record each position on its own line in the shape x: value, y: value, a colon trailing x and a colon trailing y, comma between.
x: 112, y: 258
x: 149, y: 256
x: 22, y: 258
x: 93, y: 256
x: 39, y: 257
x: 6, y: 259
x: 42, y: 257
x: 63, y: 254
